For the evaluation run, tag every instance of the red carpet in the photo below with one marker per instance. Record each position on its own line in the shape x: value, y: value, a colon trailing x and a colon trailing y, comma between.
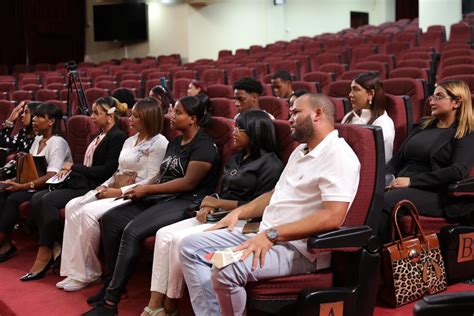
x: 43, y: 298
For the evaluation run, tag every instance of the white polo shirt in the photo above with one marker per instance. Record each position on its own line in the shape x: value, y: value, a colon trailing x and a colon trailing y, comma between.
x: 329, y: 172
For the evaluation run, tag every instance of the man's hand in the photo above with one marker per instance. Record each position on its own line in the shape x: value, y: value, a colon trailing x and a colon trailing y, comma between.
x: 258, y: 246
x: 229, y: 221
x: 136, y: 193
x: 201, y: 216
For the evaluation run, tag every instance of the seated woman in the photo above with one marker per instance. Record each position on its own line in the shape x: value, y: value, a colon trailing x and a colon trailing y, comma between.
x: 22, y: 141
x: 48, y: 144
x: 100, y: 162
x: 140, y: 158
x: 369, y: 108
x: 254, y: 170
x: 164, y: 97
x: 437, y: 153
x: 187, y: 174
x: 195, y: 87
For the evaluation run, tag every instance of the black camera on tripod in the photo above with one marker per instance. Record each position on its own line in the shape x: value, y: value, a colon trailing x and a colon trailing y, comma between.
x: 71, y: 65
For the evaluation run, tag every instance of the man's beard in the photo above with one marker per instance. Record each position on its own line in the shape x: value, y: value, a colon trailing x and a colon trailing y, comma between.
x: 304, y: 131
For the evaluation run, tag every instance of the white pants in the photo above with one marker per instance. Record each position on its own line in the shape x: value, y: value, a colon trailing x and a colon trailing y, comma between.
x: 81, y: 241
x: 167, y: 277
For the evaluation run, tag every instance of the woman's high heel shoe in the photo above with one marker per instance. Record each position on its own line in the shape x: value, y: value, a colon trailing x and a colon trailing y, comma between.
x: 36, y: 276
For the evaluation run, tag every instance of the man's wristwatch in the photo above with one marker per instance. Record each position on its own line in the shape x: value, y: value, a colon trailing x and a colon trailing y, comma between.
x: 272, y: 234
x: 32, y: 185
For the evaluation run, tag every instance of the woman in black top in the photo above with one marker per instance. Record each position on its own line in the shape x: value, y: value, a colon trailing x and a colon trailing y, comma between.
x: 100, y: 162
x: 22, y: 141
x: 438, y: 152
x: 254, y: 170
x: 188, y: 173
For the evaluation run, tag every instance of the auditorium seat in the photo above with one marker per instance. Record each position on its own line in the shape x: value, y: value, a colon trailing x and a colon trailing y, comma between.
x: 311, y: 87
x: 46, y: 94
x: 93, y: 94
x: 286, y: 143
x: 156, y: 74
x: 399, y: 110
x: 455, y: 70
x: 291, y: 66
x: 223, y: 107
x: 106, y: 84
x: 22, y: 95
x: 320, y: 79
x: 325, y: 58
x: 410, y: 72
x: 412, y: 88
x: 335, y: 69
x: 275, y: 106
x: 220, y: 91
x: 213, y: 76
x: 379, y: 67
x: 261, y: 69
x: 131, y: 76
x: 6, y: 108
x: 180, y: 87
x: 340, y: 89
x: 351, y: 74
x: 360, y: 53
x: 189, y: 74
x: 133, y: 85
x: 343, y: 106
x: 239, y: 73
x: 354, y: 285
x: 388, y: 59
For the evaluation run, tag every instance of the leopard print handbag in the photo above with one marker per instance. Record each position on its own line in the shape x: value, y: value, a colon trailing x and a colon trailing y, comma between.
x: 411, y: 266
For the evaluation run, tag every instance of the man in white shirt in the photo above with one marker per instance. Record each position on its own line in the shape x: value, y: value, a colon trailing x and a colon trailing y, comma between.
x: 312, y: 196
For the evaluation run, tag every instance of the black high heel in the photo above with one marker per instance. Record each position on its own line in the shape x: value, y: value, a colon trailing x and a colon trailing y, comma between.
x: 36, y: 276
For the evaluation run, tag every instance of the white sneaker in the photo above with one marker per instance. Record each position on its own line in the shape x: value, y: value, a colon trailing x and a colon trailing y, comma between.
x: 61, y: 284
x: 75, y: 285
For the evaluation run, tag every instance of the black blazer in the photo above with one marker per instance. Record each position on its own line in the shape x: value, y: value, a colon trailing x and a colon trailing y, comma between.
x: 450, y: 160
x: 105, y: 160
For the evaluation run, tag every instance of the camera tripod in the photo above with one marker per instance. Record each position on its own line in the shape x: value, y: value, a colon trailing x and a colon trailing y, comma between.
x: 74, y: 83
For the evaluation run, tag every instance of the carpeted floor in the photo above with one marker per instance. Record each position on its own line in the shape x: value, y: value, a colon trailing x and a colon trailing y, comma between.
x: 41, y: 297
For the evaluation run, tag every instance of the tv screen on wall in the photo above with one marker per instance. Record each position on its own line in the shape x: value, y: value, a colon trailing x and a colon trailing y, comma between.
x: 120, y: 22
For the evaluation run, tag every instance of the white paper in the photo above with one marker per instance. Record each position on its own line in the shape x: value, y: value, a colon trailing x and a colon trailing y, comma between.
x: 56, y: 179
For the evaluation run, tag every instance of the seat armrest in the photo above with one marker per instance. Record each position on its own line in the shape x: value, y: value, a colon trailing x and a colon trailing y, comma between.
x: 450, y: 298
x: 345, y: 237
x: 462, y: 188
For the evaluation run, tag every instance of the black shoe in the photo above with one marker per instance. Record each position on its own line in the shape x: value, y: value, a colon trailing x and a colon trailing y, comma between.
x: 102, y: 309
x: 8, y: 254
x: 98, y: 297
x: 36, y: 276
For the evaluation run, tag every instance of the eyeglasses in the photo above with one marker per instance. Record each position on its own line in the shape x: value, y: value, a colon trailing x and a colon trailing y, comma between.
x: 238, y: 130
x: 437, y: 98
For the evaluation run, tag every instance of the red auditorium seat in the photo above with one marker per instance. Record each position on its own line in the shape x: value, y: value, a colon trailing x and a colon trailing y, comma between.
x: 461, y: 32
x: 46, y: 94
x: 189, y: 74
x: 335, y: 69
x: 7, y: 87
x: 133, y: 85
x: 201, y: 68
x: 381, y: 68
x: 239, y: 73
x: 291, y: 66
x: 121, y: 73
x: 410, y: 72
x: 261, y: 69
x: 145, y: 73
x: 220, y: 91
x: 81, y: 131
x: 409, y: 87
x: 275, y: 106
x: 303, y: 294
x: 456, y: 70
x: 457, y: 53
x: 304, y: 62
x: 224, y: 53
x: 360, y: 53
x: 180, y: 87
x: 467, y: 78
x: 6, y: 108
x: 399, y: 110
x: 22, y: 95
x: 223, y: 107
x: 340, y: 89
x: 286, y: 144
x: 343, y: 106
x: 169, y: 59
x: 106, y: 84
x: 388, y: 59
x: 131, y: 76
x: 93, y: 94
x: 213, y: 76
x: 396, y: 48
x: 351, y: 74
x: 56, y: 86
x: 311, y: 87
x: 326, y: 58
x: 255, y: 49
x: 156, y: 74
x: 320, y: 79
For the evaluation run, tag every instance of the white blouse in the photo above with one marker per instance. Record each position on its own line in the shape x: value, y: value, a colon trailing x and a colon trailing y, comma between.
x: 144, y: 159
x: 56, y: 152
x: 384, y: 121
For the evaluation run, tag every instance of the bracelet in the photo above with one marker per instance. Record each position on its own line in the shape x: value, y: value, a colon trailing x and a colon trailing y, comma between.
x: 8, y: 124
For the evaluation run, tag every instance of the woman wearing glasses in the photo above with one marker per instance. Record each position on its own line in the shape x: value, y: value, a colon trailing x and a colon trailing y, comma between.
x: 254, y: 170
x: 437, y: 153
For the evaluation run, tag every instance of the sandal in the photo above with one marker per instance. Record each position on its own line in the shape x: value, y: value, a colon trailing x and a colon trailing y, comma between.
x: 153, y: 312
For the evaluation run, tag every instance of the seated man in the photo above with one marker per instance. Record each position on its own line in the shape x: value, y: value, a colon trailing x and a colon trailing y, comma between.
x: 246, y: 93
x: 282, y: 84
x: 303, y: 203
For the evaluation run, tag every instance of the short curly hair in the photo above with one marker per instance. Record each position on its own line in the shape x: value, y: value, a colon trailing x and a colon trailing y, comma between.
x: 249, y: 85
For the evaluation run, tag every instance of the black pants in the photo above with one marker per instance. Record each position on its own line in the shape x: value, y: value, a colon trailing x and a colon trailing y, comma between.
x: 45, y: 206
x: 428, y: 203
x: 9, y: 208
x: 123, y: 230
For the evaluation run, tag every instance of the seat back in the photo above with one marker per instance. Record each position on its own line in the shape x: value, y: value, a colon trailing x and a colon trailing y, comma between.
x: 340, y: 88
x: 399, y: 110
x: 275, y: 106
x: 351, y: 74
x: 456, y: 70
x: 239, y: 73
x: 223, y: 107
x: 286, y: 144
x: 220, y: 91
x: 469, y: 79
x: 213, y: 76
x: 410, y: 72
x: 291, y: 66
x: 46, y: 94
x: 93, y: 94
x: 180, y: 87
x: 190, y: 74
x: 298, y: 85
x: 343, y: 106
x: 380, y: 67
x: 410, y: 87
x: 320, y: 79
x: 6, y: 108
x: 81, y: 131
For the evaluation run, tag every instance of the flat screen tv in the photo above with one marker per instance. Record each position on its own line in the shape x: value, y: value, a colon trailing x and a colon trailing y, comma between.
x: 121, y: 22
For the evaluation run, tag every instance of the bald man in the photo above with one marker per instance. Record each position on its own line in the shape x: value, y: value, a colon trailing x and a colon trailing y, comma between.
x: 302, y: 204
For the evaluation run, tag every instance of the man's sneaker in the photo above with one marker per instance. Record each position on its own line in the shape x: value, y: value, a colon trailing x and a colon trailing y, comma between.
x: 61, y: 284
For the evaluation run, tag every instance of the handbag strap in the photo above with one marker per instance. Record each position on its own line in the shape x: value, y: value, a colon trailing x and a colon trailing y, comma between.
x: 413, y: 212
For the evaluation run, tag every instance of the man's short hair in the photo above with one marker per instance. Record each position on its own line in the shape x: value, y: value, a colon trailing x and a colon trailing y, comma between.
x: 283, y: 75
x: 320, y: 100
x: 249, y: 85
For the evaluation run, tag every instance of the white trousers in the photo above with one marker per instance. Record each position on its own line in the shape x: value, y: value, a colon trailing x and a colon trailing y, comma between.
x: 81, y: 241
x: 167, y: 277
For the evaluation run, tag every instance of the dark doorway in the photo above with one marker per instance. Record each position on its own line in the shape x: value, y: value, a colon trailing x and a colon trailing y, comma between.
x: 359, y: 19
x: 406, y: 9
